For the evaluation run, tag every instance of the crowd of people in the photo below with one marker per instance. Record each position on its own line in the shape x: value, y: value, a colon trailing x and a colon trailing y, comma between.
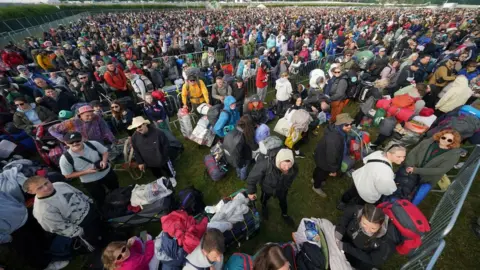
x: 414, y: 74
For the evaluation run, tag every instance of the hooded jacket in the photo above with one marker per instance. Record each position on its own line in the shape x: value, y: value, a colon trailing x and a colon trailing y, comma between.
x: 267, y: 173
x: 21, y: 120
x: 432, y: 171
x: 362, y: 251
x: 138, y: 259
x: 227, y: 117
x: 261, y: 79
x: 271, y: 42
x: 151, y: 148
x: 374, y: 179
x: 284, y: 89
x: 330, y: 150
x: 443, y: 75
x: 258, y: 114
x: 116, y: 79
x: 454, y: 95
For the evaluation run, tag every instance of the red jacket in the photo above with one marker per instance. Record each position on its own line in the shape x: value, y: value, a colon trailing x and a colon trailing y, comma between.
x: 116, y: 79
x: 12, y: 59
x: 261, y: 78
x: 138, y: 260
x: 184, y: 228
x: 136, y: 70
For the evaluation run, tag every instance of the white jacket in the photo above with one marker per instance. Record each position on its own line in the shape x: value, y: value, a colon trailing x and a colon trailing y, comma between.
x: 196, y: 260
x: 374, y: 179
x: 455, y: 94
x: 284, y: 89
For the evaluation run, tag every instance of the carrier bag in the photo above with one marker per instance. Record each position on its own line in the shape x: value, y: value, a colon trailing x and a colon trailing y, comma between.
x: 185, y: 122
x: 202, y: 134
x: 410, y: 222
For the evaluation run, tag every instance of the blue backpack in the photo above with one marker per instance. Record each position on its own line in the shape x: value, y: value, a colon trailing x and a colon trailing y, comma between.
x: 239, y: 261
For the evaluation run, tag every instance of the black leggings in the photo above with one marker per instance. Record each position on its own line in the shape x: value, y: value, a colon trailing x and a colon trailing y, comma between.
x: 319, y: 176
x: 97, y: 189
x: 282, y: 200
x: 352, y: 196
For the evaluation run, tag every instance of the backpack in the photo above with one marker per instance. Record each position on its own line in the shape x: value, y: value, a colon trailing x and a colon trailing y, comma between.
x: 404, y: 101
x: 233, y: 144
x: 191, y: 201
x: 410, y: 222
x: 364, y: 93
x: 393, y: 79
x: 387, y: 125
x: 71, y: 161
x: 353, y: 85
x: 213, y: 168
x: 148, y: 84
x: 239, y: 261
x: 214, y: 113
x: 270, y: 143
x: 310, y: 257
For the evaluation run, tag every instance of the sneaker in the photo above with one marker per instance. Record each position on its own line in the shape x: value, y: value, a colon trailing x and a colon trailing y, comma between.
x: 288, y: 220
x: 265, y: 213
x: 341, y: 206
x: 312, y: 181
x: 57, y: 265
x: 300, y: 155
x: 320, y: 192
x: 459, y: 165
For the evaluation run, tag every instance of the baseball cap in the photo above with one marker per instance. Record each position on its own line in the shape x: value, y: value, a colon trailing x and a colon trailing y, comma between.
x: 382, y: 50
x: 72, y: 137
x: 84, y: 109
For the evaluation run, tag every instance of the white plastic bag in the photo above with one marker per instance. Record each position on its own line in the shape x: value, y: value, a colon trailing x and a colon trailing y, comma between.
x: 203, y: 109
x: 185, y: 122
x: 202, y: 134
x: 152, y: 192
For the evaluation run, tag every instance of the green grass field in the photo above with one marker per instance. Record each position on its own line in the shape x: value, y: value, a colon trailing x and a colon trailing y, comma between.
x: 462, y: 245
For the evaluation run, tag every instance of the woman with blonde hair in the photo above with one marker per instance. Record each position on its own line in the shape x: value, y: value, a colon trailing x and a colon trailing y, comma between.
x: 271, y: 258
x: 432, y: 158
x: 128, y: 255
x: 410, y: 60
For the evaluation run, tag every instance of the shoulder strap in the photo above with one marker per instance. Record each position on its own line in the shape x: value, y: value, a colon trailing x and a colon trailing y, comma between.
x: 196, y: 267
x: 91, y: 146
x: 70, y: 160
x: 380, y: 161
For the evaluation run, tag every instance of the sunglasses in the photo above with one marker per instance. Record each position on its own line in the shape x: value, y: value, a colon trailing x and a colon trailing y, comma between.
x: 445, y: 139
x: 115, y: 107
x: 192, y: 81
x: 347, y: 125
x: 83, y: 78
x: 119, y: 257
x: 336, y: 72
x: 75, y: 143
x: 19, y: 104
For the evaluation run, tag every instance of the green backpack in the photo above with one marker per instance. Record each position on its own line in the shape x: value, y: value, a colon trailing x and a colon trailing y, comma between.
x: 378, y: 117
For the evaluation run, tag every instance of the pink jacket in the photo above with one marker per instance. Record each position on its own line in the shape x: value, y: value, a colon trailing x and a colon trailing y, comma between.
x: 138, y: 260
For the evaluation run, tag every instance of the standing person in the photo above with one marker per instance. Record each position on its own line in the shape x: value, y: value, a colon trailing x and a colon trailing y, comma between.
x: 374, y: 179
x: 220, y: 90
x: 151, y: 148
x: 64, y: 210
x: 275, y: 174
x: 116, y: 80
x: 262, y: 81
x: 196, y: 92
x: 239, y: 91
x: 284, y: 93
x: 209, y: 253
x: 337, y: 89
x: 239, y: 144
x: 88, y: 160
x: 330, y: 152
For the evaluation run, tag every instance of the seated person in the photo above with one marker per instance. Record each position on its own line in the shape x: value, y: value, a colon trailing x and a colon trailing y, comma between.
x: 209, y: 254
x: 29, y: 116
x: 301, y: 90
x: 155, y: 112
x: 228, y: 117
x: 432, y: 158
x: 128, y: 255
x: 366, y: 237
x: 256, y: 110
x: 90, y: 125
x: 57, y: 101
x: 12, y: 90
x: 121, y: 116
x: 64, y: 210
x: 271, y: 257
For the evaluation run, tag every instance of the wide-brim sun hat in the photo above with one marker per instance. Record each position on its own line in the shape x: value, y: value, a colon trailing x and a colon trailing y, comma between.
x: 138, y: 121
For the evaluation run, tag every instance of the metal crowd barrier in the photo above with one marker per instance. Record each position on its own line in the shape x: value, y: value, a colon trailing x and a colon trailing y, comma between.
x: 427, y: 258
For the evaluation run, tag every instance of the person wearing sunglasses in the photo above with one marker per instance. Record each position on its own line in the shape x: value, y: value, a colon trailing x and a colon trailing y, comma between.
x: 375, y: 178
x: 336, y: 89
x: 121, y: 116
x: 129, y: 255
x: 429, y: 160
x: 28, y: 116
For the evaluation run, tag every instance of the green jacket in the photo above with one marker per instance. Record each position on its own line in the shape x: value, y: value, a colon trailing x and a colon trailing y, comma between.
x: 433, y: 171
x: 21, y: 121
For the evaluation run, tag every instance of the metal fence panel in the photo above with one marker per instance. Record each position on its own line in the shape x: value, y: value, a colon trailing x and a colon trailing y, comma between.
x: 426, y: 259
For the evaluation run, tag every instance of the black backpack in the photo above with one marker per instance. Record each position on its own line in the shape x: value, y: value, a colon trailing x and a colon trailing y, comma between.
x: 214, y: 113
x: 233, y: 145
x: 352, y: 84
x: 191, y: 201
x: 117, y: 202
x: 71, y: 161
x: 364, y: 93
x: 310, y: 257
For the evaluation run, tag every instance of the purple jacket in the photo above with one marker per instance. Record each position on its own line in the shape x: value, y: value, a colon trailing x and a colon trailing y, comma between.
x: 95, y: 130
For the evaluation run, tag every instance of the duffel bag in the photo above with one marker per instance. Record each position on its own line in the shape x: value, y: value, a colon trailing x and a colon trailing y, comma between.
x: 416, y: 127
x: 215, y: 172
x: 384, y: 104
x: 242, y: 231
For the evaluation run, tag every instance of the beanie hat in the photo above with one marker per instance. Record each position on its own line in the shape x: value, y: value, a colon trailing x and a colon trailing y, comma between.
x: 283, y: 155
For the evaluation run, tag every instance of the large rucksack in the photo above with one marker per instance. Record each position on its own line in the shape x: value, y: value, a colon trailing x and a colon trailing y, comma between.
x: 191, y: 201
x: 214, y: 113
x: 239, y: 261
x: 410, y: 222
x: 310, y: 257
x: 354, y: 86
x: 364, y: 93
x: 233, y: 144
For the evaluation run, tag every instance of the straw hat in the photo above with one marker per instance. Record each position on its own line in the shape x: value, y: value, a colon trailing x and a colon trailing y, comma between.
x: 138, y: 121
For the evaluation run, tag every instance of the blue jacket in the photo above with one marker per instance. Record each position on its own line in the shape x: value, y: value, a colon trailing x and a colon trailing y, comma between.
x: 13, y: 215
x: 271, y: 42
x: 155, y: 112
x: 469, y: 75
x: 167, y: 251
x: 331, y: 48
x: 259, y: 37
x: 228, y: 117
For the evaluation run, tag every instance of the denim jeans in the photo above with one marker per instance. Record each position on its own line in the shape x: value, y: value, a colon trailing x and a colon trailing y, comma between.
x: 242, y: 172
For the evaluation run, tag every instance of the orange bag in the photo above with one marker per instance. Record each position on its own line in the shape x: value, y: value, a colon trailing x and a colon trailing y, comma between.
x: 404, y: 101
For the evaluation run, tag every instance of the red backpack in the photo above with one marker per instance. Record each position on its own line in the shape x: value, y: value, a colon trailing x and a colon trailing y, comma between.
x: 409, y: 221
